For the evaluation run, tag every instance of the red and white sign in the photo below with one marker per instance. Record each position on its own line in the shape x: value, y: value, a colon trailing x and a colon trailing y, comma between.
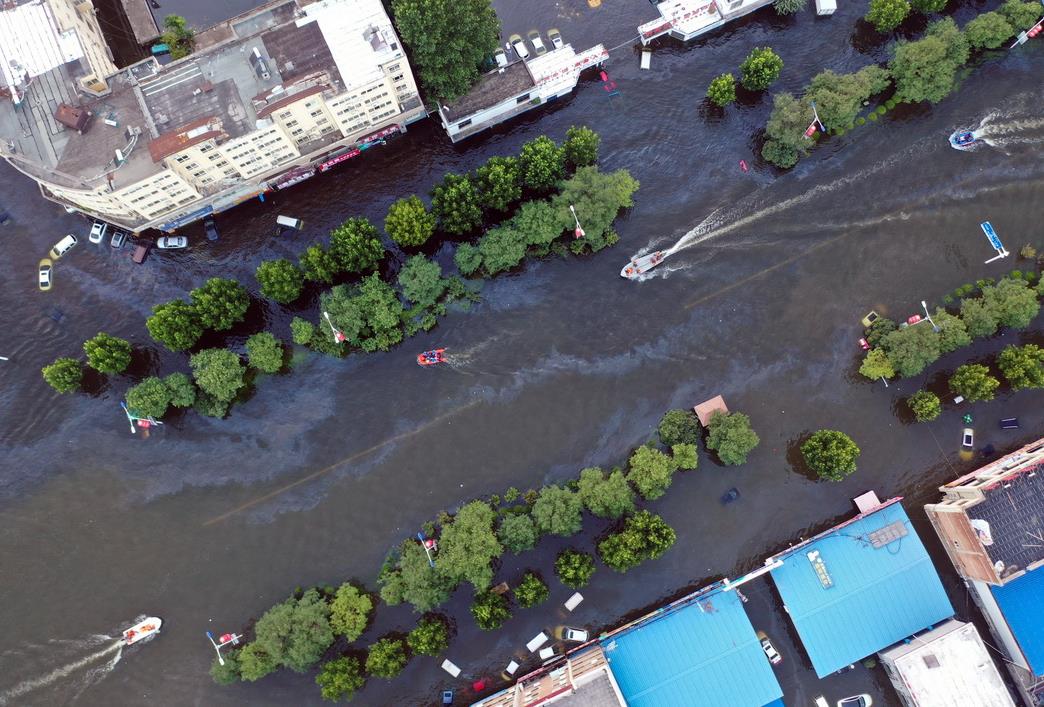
x: 381, y: 133
x: 295, y: 176
x: 324, y: 166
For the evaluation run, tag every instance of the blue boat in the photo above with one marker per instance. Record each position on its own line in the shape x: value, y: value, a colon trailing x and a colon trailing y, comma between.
x: 963, y: 139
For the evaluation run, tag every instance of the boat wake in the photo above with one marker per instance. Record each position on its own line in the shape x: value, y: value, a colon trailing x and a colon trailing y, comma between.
x: 78, y: 674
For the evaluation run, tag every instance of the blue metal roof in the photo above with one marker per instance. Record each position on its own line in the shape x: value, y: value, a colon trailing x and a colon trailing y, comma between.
x: 876, y: 597
x: 1021, y: 602
x: 702, y: 655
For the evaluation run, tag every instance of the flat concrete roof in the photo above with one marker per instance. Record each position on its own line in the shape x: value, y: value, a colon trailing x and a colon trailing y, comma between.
x: 142, y: 22
x: 491, y: 89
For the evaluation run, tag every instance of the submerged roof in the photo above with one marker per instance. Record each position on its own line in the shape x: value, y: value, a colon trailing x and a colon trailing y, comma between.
x: 1021, y: 601
x: 491, y: 89
x: 869, y: 583
x: 704, y: 654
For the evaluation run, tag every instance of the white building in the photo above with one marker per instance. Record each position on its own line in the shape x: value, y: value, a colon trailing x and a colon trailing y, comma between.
x: 946, y: 667
x: 516, y: 88
x: 269, y: 98
x: 687, y: 19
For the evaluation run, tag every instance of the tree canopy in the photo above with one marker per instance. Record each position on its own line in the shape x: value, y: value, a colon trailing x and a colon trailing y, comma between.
x: 265, y: 352
x: 840, y: 97
x: 63, y: 374
x: 574, y: 568
x: 107, y: 354
x: 924, y: 405
x: 319, y: 264
x: 421, y: 281
x: 468, y: 546
x: 557, y: 511
x: 517, y: 533
x: 876, y: 365
x: 490, y: 610
x: 926, y: 69
x: 785, y: 131
x: 650, y: 472
x: 220, y: 303
x: 1022, y: 366
x: 281, y: 281
x: 409, y: 223
x: 645, y: 536
x: 218, y: 372
x: 605, y: 496
x: 679, y: 426
x: 974, y: 382
x: 175, y: 324
x: 350, y: 611
x: 581, y: 146
x: 387, y: 657
x: 722, y: 88
x: 912, y: 349
x: 542, y: 164
x: 356, y: 245
x: 369, y: 314
x: 340, y: 679
x: 988, y: 30
x: 178, y: 36
x: 598, y: 199
x: 408, y: 577
x: 531, y: 590
x: 429, y: 637
x: 760, y: 69
x: 886, y: 15
x: 149, y: 398
x: 455, y: 204
x: 499, y: 183
x: 831, y: 454
x: 732, y: 437
x: 296, y: 632
x: 789, y: 7
x: 1013, y: 302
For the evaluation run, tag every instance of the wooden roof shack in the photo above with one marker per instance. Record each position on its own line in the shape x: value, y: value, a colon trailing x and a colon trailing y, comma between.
x: 708, y: 407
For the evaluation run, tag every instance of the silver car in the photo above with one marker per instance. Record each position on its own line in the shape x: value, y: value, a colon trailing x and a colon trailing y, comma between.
x: 171, y: 242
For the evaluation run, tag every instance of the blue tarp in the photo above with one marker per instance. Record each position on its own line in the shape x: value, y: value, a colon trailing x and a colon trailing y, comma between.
x: 879, y: 596
x: 703, y: 655
x: 1022, y: 602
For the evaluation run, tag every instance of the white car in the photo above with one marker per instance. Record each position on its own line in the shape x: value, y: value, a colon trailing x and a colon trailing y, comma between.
x: 770, y: 651
x: 501, y: 58
x: 863, y: 700
x: 574, y: 634
x: 63, y: 246
x: 98, y: 230
x: 538, y: 44
x: 519, y: 46
x: 968, y: 438
x: 118, y: 239
x: 171, y: 242
x: 556, y: 38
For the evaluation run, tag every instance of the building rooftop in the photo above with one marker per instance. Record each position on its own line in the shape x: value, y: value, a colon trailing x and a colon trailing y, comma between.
x: 1021, y: 601
x: 491, y: 89
x: 1012, y: 510
x: 31, y: 42
x: 949, y: 667
x: 683, y: 16
x: 142, y: 22
x: 702, y: 653
x: 583, y: 678
x: 860, y: 587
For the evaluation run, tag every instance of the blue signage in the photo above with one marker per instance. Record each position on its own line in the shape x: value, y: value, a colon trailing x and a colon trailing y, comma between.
x: 187, y: 218
x: 995, y: 241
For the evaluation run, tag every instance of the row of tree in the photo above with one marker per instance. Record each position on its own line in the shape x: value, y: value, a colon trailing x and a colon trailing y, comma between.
x: 907, y: 351
x: 921, y: 70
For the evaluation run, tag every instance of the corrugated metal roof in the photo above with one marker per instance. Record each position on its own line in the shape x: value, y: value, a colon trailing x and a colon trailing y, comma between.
x: 1021, y: 602
x: 703, y: 655
x: 856, y: 599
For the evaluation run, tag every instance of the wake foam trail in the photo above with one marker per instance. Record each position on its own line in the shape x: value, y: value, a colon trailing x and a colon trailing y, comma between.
x: 66, y: 671
x: 1013, y: 126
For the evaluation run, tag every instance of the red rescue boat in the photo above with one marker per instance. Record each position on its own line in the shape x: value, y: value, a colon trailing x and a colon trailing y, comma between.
x: 431, y: 358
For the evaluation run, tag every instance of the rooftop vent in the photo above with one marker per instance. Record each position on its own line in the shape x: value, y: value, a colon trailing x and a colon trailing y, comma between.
x: 820, y: 569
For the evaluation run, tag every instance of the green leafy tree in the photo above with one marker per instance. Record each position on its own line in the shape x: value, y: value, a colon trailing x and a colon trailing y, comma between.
x: 912, y: 349
x: 178, y: 36
x: 468, y: 259
x: 1014, y: 303
x: 430, y: 637
x: 732, y: 437
x: 886, y: 15
x: 988, y: 31
x: 650, y: 472
x: 926, y: 70
x: 789, y: 7
x: 542, y: 164
x: 760, y: 69
x: 255, y: 662
x: 469, y: 546
x: 644, y: 536
x: 350, y: 611
x: 207, y: 404
x: 581, y: 146
x: 182, y: 391
x: 679, y: 427
x: 953, y: 334
x: 150, y: 398
x: 1021, y: 15
x: 340, y: 679
x: 421, y: 281
x: 831, y: 454
x: 517, y: 533
x: 281, y: 281
x: 386, y: 658
x: 218, y: 372
x: 220, y: 303
x: 369, y: 314
x: 876, y: 365
x: 301, y: 331
x: 409, y: 577
x: 980, y: 320
x: 499, y: 183
x: 598, y: 198
x: 722, y: 89
x: 881, y: 328
x: 537, y: 223
x: 265, y: 352
x: 501, y: 249
x: 531, y: 590
x: 1022, y: 366
x: 455, y: 204
x: 924, y: 405
x: 557, y: 511
x: 574, y: 568
x: 175, y: 324
x: 227, y: 673
x: 926, y: 7
x: 490, y: 610
x: 409, y: 223
x: 685, y: 456
x: 839, y: 97
x: 605, y: 496
x: 296, y: 632
x: 974, y: 382
x: 785, y: 131
x: 107, y: 354
x: 356, y: 245
x: 64, y: 374
x: 448, y: 41
x: 319, y: 264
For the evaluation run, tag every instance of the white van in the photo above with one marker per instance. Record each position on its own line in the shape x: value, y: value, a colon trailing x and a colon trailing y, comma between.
x: 63, y: 246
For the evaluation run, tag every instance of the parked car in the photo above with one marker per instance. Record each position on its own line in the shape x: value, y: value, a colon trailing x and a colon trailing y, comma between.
x: 574, y: 634
x: 98, y: 229
x: 171, y: 242
x: 118, y: 239
x: 555, y: 37
x: 44, y: 272
x: 770, y: 651
x: 501, y: 57
x: 63, y: 246
x: 870, y: 318
x: 863, y: 700
x: 209, y: 228
x: 864, y: 344
x: 538, y: 45
x: 140, y: 253
x: 968, y: 439
x: 519, y: 46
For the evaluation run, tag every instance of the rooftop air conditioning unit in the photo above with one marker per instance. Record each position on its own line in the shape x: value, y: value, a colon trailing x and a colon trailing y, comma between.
x: 119, y: 157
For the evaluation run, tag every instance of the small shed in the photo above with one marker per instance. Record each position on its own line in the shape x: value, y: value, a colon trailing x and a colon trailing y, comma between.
x: 708, y: 407
x: 825, y: 7
x: 73, y: 117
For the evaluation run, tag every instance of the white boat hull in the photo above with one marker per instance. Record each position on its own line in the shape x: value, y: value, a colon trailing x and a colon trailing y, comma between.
x: 642, y: 265
x: 142, y: 630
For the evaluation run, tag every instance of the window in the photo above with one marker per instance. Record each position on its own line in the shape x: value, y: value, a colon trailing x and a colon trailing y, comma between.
x: 522, y: 99
x: 291, y: 123
x: 465, y: 124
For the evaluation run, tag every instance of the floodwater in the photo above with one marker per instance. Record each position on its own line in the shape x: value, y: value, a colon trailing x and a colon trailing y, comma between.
x: 564, y: 365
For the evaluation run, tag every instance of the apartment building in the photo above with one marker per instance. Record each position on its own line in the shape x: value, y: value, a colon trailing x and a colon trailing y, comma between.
x: 268, y: 97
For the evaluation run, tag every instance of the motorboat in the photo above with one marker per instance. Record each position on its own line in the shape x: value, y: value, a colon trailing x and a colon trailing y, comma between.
x: 963, y: 139
x: 431, y: 358
x: 142, y: 630
x: 641, y: 265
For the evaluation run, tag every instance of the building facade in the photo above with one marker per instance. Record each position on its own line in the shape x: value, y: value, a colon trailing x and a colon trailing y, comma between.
x: 268, y: 97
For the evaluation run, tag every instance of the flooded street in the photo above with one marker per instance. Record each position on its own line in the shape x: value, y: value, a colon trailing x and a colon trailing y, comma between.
x: 563, y: 365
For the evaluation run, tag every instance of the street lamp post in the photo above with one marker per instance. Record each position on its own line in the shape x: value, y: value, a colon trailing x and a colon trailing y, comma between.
x: 337, y: 334
x: 929, y: 317
x: 579, y: 233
